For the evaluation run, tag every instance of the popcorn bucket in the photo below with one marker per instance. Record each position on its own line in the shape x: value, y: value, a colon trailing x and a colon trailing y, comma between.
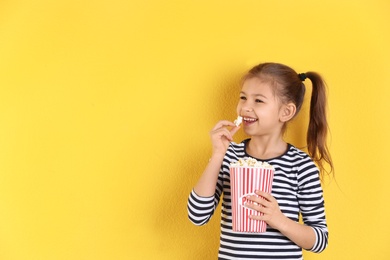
x: 244, y: 181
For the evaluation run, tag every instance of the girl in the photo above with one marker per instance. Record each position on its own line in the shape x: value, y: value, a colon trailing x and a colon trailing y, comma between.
x: 271, y: 95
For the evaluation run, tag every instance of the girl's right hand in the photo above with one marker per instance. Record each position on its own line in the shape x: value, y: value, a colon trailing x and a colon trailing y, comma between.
x: 221, y: 136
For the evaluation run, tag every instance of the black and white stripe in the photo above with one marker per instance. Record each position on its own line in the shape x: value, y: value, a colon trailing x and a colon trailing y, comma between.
x: 297, y: 189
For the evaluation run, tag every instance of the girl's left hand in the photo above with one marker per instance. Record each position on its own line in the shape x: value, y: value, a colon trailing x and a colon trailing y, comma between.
x: 267, y: 205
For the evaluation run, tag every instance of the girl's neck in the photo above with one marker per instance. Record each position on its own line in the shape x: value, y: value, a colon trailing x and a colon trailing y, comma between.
x: 263, y: 148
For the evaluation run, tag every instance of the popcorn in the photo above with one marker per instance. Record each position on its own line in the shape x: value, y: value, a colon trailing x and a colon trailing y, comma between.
x: 250, y: 162
x: 238, y: 121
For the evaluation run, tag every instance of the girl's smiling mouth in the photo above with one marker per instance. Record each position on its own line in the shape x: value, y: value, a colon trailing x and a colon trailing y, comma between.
x: 249, y: 120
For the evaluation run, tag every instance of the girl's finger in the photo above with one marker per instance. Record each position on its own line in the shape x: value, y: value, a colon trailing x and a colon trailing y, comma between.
x: 234, y: 129
x: 223, y: 123
x: 265, y: 195
x: 261, y: 201
x: 223, y: 132
x: 255, y: 206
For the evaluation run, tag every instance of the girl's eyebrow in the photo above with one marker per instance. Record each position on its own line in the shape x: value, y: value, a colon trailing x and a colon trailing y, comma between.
x: 255, y: 95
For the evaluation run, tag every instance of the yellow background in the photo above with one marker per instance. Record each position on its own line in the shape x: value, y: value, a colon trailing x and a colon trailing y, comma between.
x: 105, y: 109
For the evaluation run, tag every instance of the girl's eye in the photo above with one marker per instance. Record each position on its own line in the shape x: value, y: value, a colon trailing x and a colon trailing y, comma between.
x: 243, y: 98
x: 259, y: 101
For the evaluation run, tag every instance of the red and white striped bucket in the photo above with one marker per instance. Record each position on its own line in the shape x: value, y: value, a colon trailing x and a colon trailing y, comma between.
x: 244, y: 181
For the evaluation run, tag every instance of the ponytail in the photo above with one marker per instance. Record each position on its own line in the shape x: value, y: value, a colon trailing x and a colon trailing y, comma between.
x: 318, y: 125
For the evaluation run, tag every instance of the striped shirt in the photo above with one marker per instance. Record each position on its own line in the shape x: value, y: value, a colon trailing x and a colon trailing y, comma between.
x: 296, y: 187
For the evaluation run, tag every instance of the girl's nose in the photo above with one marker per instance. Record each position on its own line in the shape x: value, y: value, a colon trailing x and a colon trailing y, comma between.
x: 247, y: 109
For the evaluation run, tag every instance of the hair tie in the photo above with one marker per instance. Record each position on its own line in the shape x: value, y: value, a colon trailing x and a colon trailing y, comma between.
x: 302, y: 76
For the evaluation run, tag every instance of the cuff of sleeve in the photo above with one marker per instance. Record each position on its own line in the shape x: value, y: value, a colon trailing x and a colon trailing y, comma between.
x: 321, y: 240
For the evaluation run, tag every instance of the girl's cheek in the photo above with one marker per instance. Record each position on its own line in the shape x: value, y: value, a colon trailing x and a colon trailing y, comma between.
x: 238, y: 109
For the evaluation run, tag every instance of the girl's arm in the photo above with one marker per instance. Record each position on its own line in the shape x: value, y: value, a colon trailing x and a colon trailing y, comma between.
x: 313, y: 234
x: 205, y: 196
x: 221, y: 137
x: 205, y: 187
x: 302, y: 235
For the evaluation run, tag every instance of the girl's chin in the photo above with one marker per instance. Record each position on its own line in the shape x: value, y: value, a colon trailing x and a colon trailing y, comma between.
x: 250, y: 132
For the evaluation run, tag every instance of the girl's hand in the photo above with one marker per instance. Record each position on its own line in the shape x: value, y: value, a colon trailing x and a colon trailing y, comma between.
x: 221, y: 136
x: 267, y: 205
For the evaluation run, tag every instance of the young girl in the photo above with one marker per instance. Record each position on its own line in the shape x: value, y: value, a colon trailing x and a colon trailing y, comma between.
x: 271, y: 95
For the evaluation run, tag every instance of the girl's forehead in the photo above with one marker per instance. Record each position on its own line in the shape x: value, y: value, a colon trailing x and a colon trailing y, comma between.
x: 256, y: 85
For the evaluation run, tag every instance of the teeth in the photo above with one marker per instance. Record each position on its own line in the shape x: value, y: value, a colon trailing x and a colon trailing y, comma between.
x: 248, y: 119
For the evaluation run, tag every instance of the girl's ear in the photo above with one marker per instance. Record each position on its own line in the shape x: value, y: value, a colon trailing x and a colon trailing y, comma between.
x: 287, y: 112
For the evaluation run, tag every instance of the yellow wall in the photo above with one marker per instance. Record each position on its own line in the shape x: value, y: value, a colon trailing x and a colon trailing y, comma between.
x: 105, y: 108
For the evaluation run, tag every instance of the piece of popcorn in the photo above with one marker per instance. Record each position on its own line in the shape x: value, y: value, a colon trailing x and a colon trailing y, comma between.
x: 238, y: 121
x: 250, y: 162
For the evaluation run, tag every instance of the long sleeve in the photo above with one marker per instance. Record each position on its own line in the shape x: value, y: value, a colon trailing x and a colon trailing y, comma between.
x: 200, y: 209
x: 311, y: 203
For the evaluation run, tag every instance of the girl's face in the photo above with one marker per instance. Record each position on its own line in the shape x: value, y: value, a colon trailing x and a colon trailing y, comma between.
x: 259, y: 108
